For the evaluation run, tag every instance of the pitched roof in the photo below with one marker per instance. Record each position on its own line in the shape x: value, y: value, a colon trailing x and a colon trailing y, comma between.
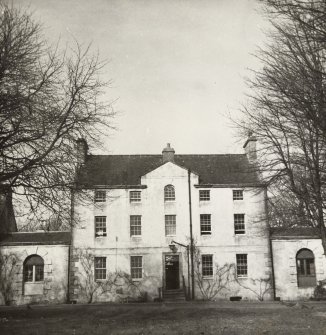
x: 33, y: 238
x: 293, y: 233
x: 128, y: 169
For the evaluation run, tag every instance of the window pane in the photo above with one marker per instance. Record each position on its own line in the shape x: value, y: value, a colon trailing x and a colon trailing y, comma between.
x: 205, y: 224
x: 39, y: 272
x: 239, y: 224
x: 242, y: 265
x: 100, y: 267
x: 306, y: 268
x: 135, y: 196
x: 204, y: 195
x: 34, y: 260
x: 100, y: 226
x: 135, y: 225
x: 207, y: 265
x: 136, y: 267
x: 28, y: 273
x: 170, y: 225
x: 169, y: 193
x: 237, y: 194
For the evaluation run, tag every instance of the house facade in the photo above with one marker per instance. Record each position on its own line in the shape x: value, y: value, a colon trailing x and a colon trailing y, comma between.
x: 133, y: 219
x: 145, y: 209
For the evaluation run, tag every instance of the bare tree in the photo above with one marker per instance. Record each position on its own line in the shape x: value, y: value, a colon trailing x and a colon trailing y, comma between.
x: 8, y: 262
x: 48, y: 99
x: 117, y: 283
x: 286, y: 107
x: 221, y: 279
x: 259, y: 286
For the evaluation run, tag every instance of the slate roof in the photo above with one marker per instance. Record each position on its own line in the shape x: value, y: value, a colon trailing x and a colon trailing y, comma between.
x: 128, y: 169
x: 294, y: 233
x: 34, y: 238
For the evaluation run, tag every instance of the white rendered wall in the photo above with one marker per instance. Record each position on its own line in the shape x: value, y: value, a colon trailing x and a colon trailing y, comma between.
x: 117, y: 246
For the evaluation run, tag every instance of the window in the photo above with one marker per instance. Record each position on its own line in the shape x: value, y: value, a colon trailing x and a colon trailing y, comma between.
x: 100, y: 226
x: 135, y: 196
x: 204, y: 195
x: 135, y: 225
x: 207, y: 265
x: 237, y: 194
x: 100, y: 196
x: 136, y: 267
x: 239, y: 224
x: 33, y: 269
x: 205, y: 224
x: 242, y: 265
x: 169, y: 193
x: 170, y: 225
x: 306, y: 268
x: 100, y: 268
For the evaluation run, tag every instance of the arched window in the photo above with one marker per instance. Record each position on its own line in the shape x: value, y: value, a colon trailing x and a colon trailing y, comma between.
x: 33, y: 269
x: 169, y: 193
x: 306, y: 268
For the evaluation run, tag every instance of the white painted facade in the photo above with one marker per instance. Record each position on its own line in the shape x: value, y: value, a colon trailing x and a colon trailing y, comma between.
x: 153, y: 244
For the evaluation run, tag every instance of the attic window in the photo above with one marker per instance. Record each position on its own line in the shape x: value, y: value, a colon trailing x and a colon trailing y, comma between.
x: 100, y: 196
x: 135, y: 196
x: 237, y: 194
x: 169, y: 193
x: 204, y: 195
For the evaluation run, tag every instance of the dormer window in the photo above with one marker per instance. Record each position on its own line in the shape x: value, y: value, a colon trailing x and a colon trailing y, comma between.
x: 169, y: 193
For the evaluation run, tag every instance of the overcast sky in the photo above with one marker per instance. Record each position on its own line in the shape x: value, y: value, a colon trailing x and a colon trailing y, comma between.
x: 177, y: 67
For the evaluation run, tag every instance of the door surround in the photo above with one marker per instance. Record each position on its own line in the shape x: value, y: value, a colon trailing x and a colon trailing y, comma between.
x: 179, y: 254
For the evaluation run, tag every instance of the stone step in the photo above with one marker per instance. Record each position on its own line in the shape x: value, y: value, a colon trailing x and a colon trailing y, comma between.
x: 173, y: 295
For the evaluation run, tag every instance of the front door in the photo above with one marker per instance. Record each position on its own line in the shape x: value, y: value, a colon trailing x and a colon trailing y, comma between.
x: 172, y: 272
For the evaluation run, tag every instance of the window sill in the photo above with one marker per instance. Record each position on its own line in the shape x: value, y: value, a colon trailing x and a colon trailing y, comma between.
x: 208, y: 277
x: 137, y: 279
x: 99, y: 237
x: 242, y: 277
x: 100, y: 280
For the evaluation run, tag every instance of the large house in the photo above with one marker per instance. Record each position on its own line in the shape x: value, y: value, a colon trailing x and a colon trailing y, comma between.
x: 134, y: 217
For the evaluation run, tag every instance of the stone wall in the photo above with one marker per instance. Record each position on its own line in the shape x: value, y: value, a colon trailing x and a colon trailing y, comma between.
x: 53, y: 289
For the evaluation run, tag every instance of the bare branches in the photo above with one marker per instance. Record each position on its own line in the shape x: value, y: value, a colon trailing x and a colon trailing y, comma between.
x: 287, y: 112
x: 222, y: 277
x: 47, y: 101
x: 259, y: 287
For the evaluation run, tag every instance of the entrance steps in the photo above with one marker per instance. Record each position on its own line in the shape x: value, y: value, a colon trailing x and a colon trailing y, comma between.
x: 173, y: 295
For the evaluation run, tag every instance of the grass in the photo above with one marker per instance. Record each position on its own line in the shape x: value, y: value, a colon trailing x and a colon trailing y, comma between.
x: 183, y: 318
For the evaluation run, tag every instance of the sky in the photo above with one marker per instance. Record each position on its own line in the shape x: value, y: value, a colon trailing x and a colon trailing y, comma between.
x: 176, y: 67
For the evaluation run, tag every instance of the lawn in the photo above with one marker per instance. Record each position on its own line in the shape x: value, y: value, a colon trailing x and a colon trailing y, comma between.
x: 182, y: 318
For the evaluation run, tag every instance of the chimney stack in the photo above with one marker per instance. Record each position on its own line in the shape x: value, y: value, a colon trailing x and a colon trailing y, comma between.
x: 168, y: 154
x: 82, y: 149
x: 251, y: 148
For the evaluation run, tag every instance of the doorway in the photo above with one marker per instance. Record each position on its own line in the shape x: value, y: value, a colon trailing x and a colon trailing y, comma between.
x: 172, y: 281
